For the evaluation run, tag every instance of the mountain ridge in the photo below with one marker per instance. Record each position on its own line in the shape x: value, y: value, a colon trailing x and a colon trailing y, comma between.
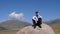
x: 17, y: 24
x: 55, y: 22
x: 14, y: 24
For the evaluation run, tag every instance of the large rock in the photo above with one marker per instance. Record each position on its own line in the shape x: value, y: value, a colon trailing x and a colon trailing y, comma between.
x: 30, y: 30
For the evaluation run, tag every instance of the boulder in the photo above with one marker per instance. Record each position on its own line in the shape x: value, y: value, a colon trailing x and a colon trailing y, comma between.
x: 30, y: 30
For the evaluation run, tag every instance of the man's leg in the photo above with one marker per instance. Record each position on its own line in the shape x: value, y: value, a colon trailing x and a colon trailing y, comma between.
x: 39, y: 26
x: 39, y: 23
x: 34, y: 24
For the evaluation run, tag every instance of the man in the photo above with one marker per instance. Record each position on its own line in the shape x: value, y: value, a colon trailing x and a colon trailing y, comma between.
x: 37, y: 20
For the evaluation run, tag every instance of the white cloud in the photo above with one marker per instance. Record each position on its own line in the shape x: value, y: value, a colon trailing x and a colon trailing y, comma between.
x: 15, y: 15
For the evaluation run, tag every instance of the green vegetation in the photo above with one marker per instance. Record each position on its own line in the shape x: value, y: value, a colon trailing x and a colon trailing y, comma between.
x: 9, y: 32
x: 14, y: 24
x: 2, y: 28
x: 55, y: 22
x: 56, y: 29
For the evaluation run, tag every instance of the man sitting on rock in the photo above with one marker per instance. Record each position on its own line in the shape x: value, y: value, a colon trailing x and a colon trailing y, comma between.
x: 37, y: 20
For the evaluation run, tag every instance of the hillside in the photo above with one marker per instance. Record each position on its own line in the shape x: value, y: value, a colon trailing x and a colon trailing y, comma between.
x: 14, y: 24
x: 55, y: 22
x: 2, y: 28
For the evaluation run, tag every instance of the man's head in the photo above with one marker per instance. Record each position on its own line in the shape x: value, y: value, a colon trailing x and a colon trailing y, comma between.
x: 37, y: 13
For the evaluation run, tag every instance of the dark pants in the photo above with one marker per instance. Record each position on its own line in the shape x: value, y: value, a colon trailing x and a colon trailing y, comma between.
x: 39, y: 22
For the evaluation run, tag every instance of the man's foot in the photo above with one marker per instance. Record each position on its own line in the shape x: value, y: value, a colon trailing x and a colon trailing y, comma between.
x: 34, y: 26
x: 39, y: 26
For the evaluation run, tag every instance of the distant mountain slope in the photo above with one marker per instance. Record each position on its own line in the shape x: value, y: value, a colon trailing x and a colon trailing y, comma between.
x: 55, y: 22
x: 2, y: 28
x: 14, y: 24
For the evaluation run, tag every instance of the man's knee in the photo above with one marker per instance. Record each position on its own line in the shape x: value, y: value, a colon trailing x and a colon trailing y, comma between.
x: 34, y: 22
x: 39, y: 19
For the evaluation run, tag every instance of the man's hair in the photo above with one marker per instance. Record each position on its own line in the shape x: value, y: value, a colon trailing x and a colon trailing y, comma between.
x: 37, y: 12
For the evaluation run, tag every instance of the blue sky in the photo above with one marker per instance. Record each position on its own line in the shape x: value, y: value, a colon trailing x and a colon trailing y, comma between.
x: 49, y: 9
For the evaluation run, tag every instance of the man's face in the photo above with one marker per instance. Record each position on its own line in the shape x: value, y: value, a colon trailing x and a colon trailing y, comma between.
x: 37, y: 14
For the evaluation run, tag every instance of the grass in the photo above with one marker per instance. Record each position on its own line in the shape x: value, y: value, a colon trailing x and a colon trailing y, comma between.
x: 56, y: 29
x: 8, y: 32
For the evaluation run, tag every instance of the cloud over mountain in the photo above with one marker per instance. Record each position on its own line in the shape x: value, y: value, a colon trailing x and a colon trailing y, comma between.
x: 16, y: 15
